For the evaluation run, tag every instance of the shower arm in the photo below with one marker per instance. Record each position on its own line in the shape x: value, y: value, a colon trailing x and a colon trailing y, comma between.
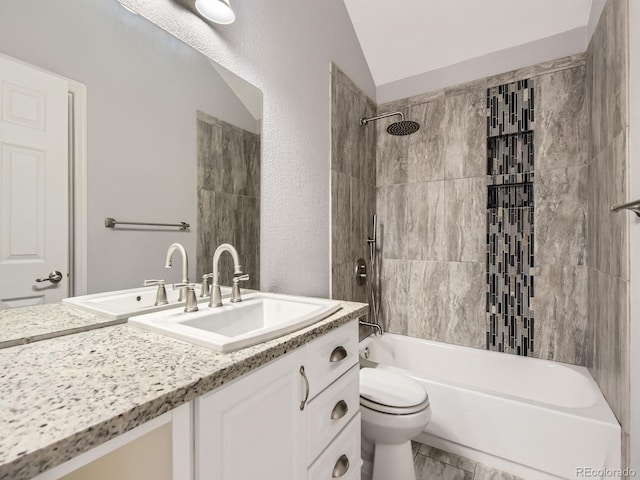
x: 364, y: 121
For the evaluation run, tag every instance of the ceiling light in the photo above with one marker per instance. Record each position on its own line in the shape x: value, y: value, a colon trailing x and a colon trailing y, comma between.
x: 218, y: 11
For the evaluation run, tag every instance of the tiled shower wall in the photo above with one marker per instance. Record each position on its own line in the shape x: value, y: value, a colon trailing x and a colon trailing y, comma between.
x: 608, y: 354
x: 228, y: 198
x: 432, y: 200
x: 353, y: 184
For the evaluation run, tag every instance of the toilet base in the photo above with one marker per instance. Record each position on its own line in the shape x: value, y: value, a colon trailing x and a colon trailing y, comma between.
x: 393, y: 462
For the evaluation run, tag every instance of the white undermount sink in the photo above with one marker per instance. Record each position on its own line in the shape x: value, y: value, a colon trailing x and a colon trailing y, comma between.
x: 258, y: 318
x: 122, y: 304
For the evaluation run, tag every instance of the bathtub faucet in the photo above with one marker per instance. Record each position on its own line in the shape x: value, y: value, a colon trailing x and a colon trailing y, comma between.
x: 375, y: 326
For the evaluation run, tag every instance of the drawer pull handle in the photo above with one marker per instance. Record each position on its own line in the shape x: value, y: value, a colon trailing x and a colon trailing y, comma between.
x: 306, y: 386
x: 338, y: 354
x: 341, y: 467
x: 340, y: 410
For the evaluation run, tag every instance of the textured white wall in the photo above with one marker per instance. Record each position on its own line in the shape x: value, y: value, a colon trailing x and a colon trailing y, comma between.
x: 285, y: 48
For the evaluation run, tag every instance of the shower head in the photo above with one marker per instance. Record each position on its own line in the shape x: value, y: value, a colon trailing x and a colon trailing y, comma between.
x: 403, y: 127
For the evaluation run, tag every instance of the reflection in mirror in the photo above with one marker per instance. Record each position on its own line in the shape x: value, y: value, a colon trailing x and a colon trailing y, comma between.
x: 105, y: 112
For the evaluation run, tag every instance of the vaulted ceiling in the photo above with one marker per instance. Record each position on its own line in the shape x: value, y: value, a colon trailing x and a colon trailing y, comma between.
x: 404, y: 38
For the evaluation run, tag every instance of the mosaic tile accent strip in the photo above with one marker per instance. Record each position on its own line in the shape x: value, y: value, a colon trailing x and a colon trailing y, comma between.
x: 510, y: 108
x: 510, y: 214
x: 510, y: 241
x: 510, y: 159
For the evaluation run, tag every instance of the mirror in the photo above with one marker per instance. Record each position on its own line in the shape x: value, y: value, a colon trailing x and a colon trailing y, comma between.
x: 165, y: 135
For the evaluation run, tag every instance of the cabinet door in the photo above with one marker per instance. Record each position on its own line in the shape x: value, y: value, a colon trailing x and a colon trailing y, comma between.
x: 254, y: 428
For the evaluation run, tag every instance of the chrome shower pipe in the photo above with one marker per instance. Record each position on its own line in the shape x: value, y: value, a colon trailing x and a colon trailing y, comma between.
x: 373, y: 306
x: 364, y: 121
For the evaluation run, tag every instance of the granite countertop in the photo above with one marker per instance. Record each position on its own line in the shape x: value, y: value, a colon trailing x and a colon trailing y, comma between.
x: 63, y: 396
x: 41, y: 322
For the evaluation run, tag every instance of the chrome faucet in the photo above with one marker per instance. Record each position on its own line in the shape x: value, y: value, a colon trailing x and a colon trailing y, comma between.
x: 238, y: 276
x: 185, y: 267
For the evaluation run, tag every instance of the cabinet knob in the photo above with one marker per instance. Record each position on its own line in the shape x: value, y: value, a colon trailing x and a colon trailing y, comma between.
x: 338, y: 354
x: 340, y: 410
x: 341, y: 467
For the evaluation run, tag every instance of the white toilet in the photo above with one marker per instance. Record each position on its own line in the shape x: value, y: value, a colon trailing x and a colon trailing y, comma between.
x: 394, y: 409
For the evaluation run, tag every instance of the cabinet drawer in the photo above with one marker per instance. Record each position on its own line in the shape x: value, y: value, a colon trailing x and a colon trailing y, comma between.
x: 330, y: 411
x: 343, y: 451
x: 330, y: 356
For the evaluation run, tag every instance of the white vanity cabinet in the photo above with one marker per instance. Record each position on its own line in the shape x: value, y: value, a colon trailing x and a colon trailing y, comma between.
x: 255, y: 426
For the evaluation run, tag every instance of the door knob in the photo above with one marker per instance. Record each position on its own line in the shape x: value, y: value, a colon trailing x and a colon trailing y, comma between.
x: 54, y: 277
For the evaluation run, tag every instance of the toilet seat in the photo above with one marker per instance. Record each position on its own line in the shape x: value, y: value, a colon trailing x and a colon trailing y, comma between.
x: 391, y: 393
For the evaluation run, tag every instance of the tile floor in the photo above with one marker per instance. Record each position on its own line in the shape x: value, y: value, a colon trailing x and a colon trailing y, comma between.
x: 432, y: 463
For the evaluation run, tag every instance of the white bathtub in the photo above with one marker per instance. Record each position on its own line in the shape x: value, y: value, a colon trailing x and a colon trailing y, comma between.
x: 533, y: 418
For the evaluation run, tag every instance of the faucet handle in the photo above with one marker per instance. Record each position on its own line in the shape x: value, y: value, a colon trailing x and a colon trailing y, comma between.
x: 235, y: 290
x: 206, y: 284
x: 161, y: 295
x: 240, y: 278
x: 192, y: 302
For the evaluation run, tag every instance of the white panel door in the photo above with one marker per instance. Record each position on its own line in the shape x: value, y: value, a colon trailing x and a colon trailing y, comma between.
x: 254, y: 428
x: 33, y: 184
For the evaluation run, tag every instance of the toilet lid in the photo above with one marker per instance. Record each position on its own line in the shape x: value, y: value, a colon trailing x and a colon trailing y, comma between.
x: 391, y: 389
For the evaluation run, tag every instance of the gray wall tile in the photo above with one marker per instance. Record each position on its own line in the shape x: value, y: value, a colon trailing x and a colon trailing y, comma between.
x: 394, y: 281
x: 608, y: 230
x: 206, y: 224
x: 232, y: 170
x: 423, y: 218
x: 607, y: 57
x: 464, y: 131
x: 391, y: 204
x: 607, y: 83
x: 353, y: 180
x: 560, y: 307
x: 626, y: 452
x: 342, y: 281
x: 344, y: 128
x: 424, y: 225
x: 252, y: 156
x: 369, y: 146
x: 426, y: 304
x: 561, y: 216
x: 479, y: 85
x: 228, y: 196
x: 611, y: 340
x: 209, y: 151
x: 426, y: 147
x: 465, y: 315
x: 362, y: 208
x: 560, y: 133
x: 550, y: 66
x: 247, y: 233
x: 391, y: 156
x: 340, y: 217
x: 465, y: 207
